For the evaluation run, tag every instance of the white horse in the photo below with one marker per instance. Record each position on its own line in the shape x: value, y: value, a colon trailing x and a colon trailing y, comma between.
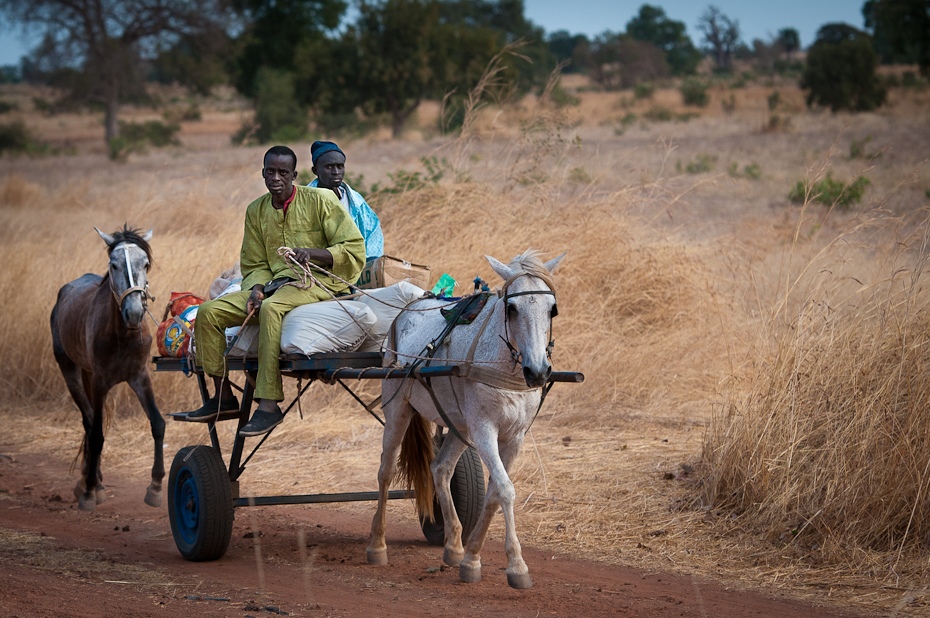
x: 504, y: 359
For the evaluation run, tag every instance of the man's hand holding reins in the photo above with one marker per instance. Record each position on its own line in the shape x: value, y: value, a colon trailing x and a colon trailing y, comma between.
x: 256, y: 298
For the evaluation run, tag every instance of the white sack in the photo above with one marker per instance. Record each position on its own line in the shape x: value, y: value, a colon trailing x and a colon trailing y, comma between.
x: 386, y: 304
x: 329, y: 326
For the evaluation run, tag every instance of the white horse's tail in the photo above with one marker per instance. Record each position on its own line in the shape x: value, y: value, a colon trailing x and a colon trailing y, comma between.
x: 416, y: 455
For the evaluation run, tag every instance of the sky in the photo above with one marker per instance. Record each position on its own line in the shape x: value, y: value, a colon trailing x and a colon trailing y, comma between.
x: 758, y: 19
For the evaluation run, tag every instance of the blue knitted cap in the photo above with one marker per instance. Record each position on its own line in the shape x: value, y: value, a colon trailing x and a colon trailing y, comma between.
x: 318, y: 149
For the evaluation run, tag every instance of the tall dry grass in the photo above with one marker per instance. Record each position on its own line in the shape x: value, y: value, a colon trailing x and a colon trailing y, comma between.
x: 822, y: 443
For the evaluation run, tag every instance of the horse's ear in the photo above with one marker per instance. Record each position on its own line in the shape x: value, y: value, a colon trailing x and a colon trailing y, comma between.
x: 552, y: 264
x: 499, y: 267
x: 106, y: 237
x: 148, y: 236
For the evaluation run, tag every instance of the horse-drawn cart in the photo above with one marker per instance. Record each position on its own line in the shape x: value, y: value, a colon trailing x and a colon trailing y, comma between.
x: 203, y: 492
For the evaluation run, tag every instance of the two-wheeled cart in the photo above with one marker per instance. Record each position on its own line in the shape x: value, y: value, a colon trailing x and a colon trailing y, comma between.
x: 203, y: 492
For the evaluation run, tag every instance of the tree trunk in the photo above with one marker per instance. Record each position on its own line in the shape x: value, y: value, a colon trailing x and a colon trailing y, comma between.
x: 111, y: 116
x: 399, y: 116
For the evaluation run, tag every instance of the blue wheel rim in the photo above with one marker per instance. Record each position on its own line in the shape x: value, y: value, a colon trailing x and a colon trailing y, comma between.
x: 187, y: 506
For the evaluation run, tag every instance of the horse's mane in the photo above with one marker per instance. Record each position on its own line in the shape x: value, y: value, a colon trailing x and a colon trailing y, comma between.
x: 130, y: 235
x: 530, y: 263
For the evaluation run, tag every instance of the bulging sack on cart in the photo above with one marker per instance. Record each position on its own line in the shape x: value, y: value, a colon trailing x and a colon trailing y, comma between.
x: 386, y: 304
x: 328, y: 326
x: 176, y: 330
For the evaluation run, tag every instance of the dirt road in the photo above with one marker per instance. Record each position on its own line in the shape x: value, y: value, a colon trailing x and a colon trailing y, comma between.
x: 121, y: 561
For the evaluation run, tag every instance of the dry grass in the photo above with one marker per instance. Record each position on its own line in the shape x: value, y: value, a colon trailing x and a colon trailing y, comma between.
x: 681, y: 294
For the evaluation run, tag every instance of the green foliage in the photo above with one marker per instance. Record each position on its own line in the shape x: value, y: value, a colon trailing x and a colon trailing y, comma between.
x: 191, y: 113
x: 774, y: 100
x: 752, y: 171
x: 830, y: 191
x: 657, y: 113
x: 137, y: 137
x: 728, y: 104
x: 702, y: 163
x: 901, y: 31
x: 619, y: 61
x: 644, y: 90
x: 7, y: 107
x: 651, y: 25
x: 841, y: 71
x: 278, y: 115
x: 14, y: 137
x: 777, y: 123
x: 857, y: 148
x: 561, y: 98
x: 404, y: 180
x: 694, y: 92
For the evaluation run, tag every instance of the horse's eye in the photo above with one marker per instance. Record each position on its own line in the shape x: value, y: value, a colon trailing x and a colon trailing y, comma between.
x: 511, y: 310
x: 554, y: 312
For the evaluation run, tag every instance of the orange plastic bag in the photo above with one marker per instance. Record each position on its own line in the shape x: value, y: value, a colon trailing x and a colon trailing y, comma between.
x: 175, y: 332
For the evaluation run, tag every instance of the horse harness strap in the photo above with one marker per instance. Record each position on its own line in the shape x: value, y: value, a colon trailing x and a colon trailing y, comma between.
x: 132, y: 283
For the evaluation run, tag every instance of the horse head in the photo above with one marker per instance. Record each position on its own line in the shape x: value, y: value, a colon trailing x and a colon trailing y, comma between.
x: 130, y: 259
x: 529, y: 306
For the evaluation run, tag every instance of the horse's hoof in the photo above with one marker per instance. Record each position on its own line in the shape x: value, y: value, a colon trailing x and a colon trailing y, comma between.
x: 100, y: 494
x: 470, y: 575
x: 78, y: 491
x: 87, y: 502
x: 376, y: 556
x: 520, y: 582
x: 153, y: 497
x: 452, y: 558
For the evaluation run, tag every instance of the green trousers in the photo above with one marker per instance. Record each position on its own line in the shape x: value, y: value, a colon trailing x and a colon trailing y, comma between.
x: 215, y: 316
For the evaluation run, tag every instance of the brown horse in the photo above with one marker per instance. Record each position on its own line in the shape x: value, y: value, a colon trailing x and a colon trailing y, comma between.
x: 99, y: 339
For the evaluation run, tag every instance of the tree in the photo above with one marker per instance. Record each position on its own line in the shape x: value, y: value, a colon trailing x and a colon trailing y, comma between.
x: 841, y: 70
x: 789, y: 40
x: 900, y: 30
x: 651, y: 25
x: 620, y: 61
x: 721, y: 36
x: 102, y: 42
x: 285, y: 36
x: 394, y: 42
x: 570, y: 47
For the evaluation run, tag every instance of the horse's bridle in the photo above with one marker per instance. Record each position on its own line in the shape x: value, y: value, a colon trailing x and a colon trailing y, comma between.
x: 514, y: 353
x: 144, y: 290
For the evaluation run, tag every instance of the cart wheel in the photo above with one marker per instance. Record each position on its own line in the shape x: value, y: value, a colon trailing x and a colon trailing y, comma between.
x: 200, y: 505
x: 467, y: 487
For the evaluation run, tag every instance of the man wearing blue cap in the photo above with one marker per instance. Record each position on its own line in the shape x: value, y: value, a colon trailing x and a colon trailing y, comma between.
x: 329, y: 165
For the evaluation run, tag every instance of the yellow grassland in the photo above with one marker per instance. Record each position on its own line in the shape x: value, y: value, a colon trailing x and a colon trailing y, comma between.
x: 755, y: 408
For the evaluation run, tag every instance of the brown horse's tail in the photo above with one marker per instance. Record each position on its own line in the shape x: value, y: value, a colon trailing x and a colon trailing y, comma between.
x: 416, y: 455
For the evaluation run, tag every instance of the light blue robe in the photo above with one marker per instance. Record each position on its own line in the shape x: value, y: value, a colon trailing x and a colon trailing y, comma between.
x: 365, y: 218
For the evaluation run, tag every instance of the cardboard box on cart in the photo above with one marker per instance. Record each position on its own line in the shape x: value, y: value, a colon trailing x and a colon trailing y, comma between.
x: 386, y: 270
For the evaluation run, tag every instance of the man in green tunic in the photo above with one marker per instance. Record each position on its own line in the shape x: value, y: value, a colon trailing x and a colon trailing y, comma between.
x: 319, y: 230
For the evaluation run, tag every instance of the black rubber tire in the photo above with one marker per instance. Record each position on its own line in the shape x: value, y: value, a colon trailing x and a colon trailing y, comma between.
x: 200, y: 504
x: 467, y: 486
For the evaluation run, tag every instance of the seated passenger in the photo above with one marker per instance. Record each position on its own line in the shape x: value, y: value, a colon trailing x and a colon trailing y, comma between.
x: 329, y: 165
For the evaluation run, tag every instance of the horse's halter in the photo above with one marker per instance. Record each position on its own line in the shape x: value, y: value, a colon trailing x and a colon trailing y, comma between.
x: 144, y: 290
x: 506, y: 295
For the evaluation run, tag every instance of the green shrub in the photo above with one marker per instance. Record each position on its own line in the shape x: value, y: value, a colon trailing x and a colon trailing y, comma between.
x: 752, y: 171
x: 644, y: 90
x: 657, y: 113
x: 857, y: 148
x: 14, y: 137
x: 694, y: 92
x: 404, y: 180
x: 728, y: 104
x: 191, y: 113
x: 278, y: 114
x: 830, y: 191
x: 841, y: 71
x: 701, y: 163
x: 6, y: 107
x: 773, y: 100
x: 561, y: 98
x: 137, y: 137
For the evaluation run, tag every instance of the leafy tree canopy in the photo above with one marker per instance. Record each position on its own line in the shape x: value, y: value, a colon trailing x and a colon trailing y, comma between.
x: 841, y: 70
x: 901, y: 31
x: 652, y: 25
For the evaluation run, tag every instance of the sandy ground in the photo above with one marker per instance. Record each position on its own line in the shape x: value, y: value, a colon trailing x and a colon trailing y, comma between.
x: 121, y: 561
